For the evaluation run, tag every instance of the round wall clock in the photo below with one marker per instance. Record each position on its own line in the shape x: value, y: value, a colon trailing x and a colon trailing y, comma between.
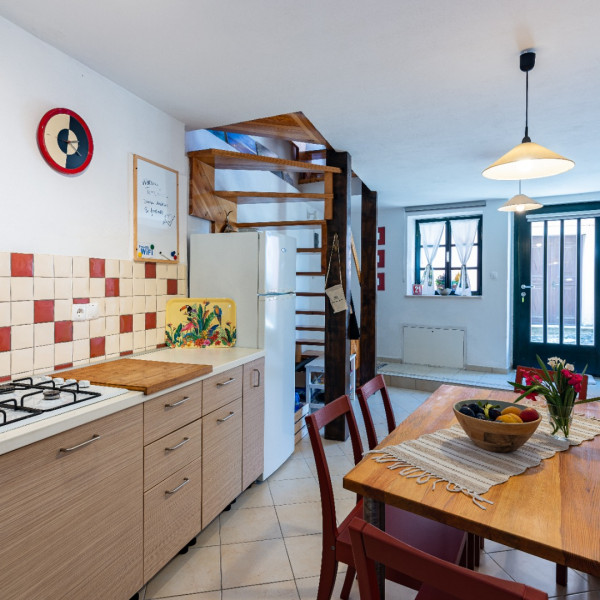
x: 65, y: 141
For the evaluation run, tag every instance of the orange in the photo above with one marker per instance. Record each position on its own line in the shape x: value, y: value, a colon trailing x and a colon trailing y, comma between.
x: 515, y: 410
x: 509, y: 418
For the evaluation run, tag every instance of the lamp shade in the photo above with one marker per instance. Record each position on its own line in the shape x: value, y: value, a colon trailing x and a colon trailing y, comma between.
x: 520, y: 203
x: 528, y: 161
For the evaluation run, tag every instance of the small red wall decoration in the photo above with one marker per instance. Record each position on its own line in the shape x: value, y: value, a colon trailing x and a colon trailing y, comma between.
x: 380, y: 282
x: 381, y: 236
x: 380, y: 259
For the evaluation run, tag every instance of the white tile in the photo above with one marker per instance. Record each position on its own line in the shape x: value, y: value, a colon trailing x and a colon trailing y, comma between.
x: 181, y: 287
x: 139, y: 322
x: 111, y: 306
x: 4, y: 364
x: 125, y: 287
x: 43, y: 288
x: 172, y: 271
x: 161, y: 287
x: 181, y: 271
x: 63, y: 266
x: 81, y: 330
x: 139, y: 270
x: 4, y: 264
x: 125, y: 342
x: 300, y: 519
x: 280, y: 590
x: 21, y: 361
x: 125, y: 269
x: 111, y: 268
x: 112, y: 325
x: 5, y: 314
x: 97, y: 287
x: 21, y: 313
x: 5, y: 289
x: 21, y: 336
x: 63, y: 353
x: 305, y: 554
x: 139, y: 287
x: 43, y: 334
x: 81, y: 350
x: 63, y: 288
x: 112, y: 344
x: 81, y: 266
x: 63, y: 310
x: 150, y: 338
x: 126, y: 306
x: 43, y: 357
x: 292, y: 491
x: 81, y: 287
x: 249, y: 525
x: 21, y: 288
x: 150, y: 305
x: 161, y: 271
x: 43, y: 265
x: 139, y: 340
x: 161, y: 319
x: 150, y: 287
x: 97, y: 327
x: 160, y: 335
x: 161, y: 303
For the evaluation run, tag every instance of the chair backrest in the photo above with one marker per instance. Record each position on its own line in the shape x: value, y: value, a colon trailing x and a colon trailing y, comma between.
x: 441, y: 580
x: 522, y: 371
x: 364, y: 392
x: 339, y: 408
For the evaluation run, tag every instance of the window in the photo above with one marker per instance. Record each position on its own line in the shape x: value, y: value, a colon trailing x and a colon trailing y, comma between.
x: 459, y: 237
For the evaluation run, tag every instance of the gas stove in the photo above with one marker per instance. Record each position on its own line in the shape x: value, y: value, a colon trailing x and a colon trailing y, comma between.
x: 30, y: 399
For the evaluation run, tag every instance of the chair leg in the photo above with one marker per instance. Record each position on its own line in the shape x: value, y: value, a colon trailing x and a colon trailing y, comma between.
x: 476, y: 550
x: 329, y: 567
x: 348, y: 581
x: 471, y: 551
x: 562, y: 574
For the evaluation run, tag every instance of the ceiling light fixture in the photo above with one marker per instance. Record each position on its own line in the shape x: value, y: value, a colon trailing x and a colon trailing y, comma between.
x: 528, y: 160
x: 520, y: 203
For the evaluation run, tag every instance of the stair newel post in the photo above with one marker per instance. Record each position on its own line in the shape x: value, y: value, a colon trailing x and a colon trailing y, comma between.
x: 368, y: 286
x: 337, y: 344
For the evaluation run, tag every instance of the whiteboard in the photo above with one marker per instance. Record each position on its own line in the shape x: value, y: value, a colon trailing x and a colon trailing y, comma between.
x: 155, y: 211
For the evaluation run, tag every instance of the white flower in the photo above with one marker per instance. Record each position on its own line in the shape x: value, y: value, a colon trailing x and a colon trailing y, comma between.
x: 569, y: 367
x: 555, y: 361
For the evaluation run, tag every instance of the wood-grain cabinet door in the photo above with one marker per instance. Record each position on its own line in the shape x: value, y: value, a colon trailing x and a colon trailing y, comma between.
x: 253, y: 422
x: 71, y: 513
x: 221, y: 459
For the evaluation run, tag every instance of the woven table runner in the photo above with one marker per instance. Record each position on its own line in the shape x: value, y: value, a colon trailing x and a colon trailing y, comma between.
x: 449, y: 456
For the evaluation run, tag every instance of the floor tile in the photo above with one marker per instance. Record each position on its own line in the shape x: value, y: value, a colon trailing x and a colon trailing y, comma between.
x: 197, y: 571
x: 249, y: 525
x: 300, y: 519
x: 293, y: 491
x: 281, y: 590
x: 216, y: 595
x: 209, y: 536
x: 338, y: 464
x: 258, y: 494
x: 294, y: 468
x: 305, y: 554
x: 254, y: 563
x: 308, y: 586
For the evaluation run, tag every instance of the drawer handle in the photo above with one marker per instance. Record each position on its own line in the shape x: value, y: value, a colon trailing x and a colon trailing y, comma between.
x: 185, y: 482
x: 222, y: 383
x: 257, y: 371
x: 183, y: 441
x: 93, y: 439
x: 225, y: 418
x: 174, y: 404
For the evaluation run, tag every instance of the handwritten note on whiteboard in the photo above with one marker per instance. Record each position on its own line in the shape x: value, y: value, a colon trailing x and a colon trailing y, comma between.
x: 156, y: 222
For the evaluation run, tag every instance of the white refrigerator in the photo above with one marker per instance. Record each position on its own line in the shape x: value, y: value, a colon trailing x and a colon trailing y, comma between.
x: 257, y: 270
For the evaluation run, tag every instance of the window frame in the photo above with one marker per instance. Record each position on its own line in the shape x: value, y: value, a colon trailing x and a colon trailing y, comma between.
x: 447, y: 246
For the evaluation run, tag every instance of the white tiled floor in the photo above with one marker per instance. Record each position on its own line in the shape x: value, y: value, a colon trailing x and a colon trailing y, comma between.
x: 268, y: 546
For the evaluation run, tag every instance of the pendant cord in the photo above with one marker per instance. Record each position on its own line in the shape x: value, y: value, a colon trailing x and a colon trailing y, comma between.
x: 526, y: 138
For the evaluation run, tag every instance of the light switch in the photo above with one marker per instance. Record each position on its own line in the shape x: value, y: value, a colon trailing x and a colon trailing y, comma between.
x: 493, y: 274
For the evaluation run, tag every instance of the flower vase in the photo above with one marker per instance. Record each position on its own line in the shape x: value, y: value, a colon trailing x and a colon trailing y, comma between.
x: 561, y: 417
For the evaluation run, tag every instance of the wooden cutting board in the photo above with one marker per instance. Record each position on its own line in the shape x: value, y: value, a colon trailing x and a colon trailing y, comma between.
x: 148, y: 376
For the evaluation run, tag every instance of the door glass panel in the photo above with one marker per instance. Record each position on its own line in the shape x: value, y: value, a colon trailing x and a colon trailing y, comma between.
x: 588, y: 241
x: 569, y: 281
x: 537, y: 282
x: 553, y: 283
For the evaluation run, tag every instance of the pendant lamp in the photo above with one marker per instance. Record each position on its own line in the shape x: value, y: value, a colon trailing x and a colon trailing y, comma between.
x: 520, y: 203
x: 528, y: 160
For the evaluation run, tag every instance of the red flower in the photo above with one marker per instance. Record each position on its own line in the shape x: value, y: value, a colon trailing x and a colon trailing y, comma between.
x: 531, y: 396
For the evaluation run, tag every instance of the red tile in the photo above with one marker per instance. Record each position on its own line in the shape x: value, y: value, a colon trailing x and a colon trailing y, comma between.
x: 161, y: 345
x: 81, y: 300
x: 4, y: 378
x: 63, y: 366
x: 97, y: 346
x: 150, y: 270
x: 4, y: 339
x: 43, y: 311
x: 151, y: 320
x: 111, y: 285
x: 97, y: 267
x: 126, y: 322
x: 126, y: 352
x: 172, y: 287
x: 63, y: 331
x: 21, y: 265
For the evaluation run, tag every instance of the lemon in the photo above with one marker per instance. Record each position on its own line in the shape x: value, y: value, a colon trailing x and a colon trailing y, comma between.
x: 515, y: 410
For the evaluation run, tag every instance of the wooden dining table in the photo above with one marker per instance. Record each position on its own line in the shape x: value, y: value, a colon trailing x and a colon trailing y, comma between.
x: 551, y: 510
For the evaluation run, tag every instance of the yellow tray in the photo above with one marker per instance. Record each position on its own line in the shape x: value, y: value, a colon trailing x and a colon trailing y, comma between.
x: 200, y: 323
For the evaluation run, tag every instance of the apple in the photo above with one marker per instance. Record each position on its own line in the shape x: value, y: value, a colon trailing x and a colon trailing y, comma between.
x: 529, y: 414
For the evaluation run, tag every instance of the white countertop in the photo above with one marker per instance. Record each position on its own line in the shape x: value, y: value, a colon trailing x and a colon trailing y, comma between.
x: 221, y: 360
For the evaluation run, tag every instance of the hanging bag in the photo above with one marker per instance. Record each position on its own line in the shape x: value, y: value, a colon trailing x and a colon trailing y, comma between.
x: 335, y: 293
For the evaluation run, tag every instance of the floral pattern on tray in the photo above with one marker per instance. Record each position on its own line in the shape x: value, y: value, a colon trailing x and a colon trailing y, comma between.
x: 200, y: 323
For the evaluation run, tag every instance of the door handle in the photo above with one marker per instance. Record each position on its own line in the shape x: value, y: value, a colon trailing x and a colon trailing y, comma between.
x: 526, y: 287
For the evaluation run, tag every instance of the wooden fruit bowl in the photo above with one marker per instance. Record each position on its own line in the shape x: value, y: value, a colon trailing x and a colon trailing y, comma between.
x: 495, y: 436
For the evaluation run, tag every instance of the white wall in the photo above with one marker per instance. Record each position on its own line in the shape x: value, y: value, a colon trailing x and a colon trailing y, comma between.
x: 90, y: 214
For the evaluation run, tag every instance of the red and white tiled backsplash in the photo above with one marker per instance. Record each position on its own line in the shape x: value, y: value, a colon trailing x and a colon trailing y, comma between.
x: 37, y: 293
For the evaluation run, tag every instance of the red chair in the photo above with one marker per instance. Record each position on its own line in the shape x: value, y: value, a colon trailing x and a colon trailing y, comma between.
x: 435, y: 538
x: 440, y: 580
x: 562, y: 574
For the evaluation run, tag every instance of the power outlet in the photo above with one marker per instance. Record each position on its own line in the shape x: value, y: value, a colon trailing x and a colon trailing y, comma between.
x: 79, y: 312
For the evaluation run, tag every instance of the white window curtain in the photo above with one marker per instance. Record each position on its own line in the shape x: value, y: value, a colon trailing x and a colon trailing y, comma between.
x: 431, y: 235
x: 463, y: 238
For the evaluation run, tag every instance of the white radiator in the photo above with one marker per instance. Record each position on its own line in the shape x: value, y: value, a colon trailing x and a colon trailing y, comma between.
x: 434, y: 346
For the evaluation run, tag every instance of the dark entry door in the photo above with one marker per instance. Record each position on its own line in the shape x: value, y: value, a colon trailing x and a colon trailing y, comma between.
x: 556, y: 286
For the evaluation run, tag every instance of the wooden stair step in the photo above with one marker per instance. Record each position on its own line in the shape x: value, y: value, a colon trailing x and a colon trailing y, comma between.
x: 315, y: 250
x: 282, y: 224
x: 311, y: 294
x: 262, y: 197
x: 310, y: 155
x: 310, y: 178
x: 227, y: 159
x: 309, y: 273
x: 305, y: 328
x: 310, y: 342
x: 320, y: 313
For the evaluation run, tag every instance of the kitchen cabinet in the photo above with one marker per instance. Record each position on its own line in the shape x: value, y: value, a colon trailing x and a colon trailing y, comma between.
x: 253, y: 426
x: 71, y: 513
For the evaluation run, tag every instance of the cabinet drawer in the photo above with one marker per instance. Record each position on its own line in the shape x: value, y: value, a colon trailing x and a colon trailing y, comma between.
x: 171, y: 452
x: 171, y: 411
x: 221, y: 459
x: 221, y: 389
x: 171, y: 520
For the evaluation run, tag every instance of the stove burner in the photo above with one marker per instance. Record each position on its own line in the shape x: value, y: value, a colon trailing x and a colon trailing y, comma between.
x: 53, y: 394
